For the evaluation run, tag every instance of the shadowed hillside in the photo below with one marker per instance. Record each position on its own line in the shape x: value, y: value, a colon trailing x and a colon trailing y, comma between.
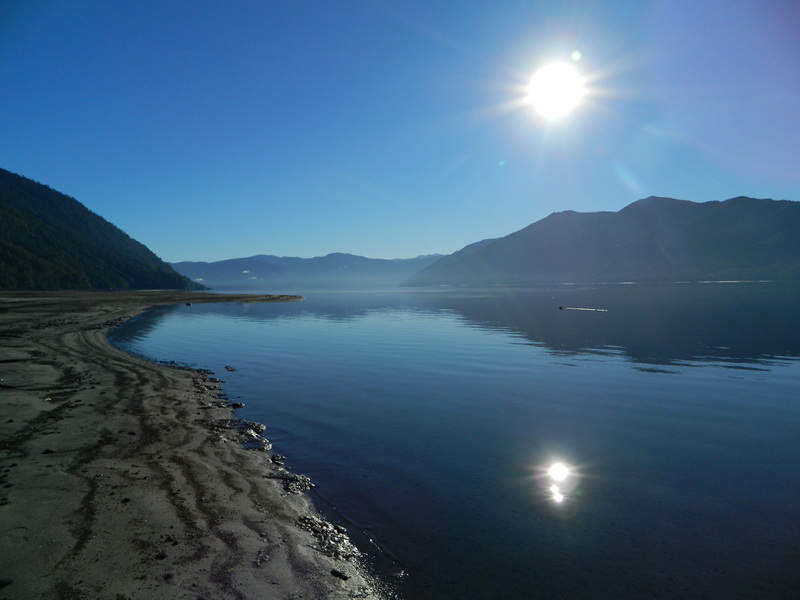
x: 51, y: 241
x: 655, y: 239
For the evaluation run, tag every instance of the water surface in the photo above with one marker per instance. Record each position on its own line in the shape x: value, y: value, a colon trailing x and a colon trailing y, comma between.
x: 428, y: 421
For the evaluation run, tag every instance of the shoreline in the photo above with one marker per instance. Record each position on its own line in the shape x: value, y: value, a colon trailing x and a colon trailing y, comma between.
x: 127, y: 479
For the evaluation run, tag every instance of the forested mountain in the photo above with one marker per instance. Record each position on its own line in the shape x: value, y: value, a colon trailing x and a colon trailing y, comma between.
x: 335, y: 270
x: 51, y: 241
x: 655, y: 239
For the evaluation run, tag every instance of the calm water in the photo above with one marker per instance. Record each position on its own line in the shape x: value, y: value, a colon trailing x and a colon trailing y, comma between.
x: 428, y: 421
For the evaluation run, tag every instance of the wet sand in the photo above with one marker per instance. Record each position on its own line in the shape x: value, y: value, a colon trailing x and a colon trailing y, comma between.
x: 123, y: 479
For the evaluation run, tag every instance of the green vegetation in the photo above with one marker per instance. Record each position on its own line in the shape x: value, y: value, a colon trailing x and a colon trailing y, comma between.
x: 51, y: 241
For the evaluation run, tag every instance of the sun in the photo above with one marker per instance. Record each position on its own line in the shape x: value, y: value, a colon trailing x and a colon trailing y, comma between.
x: 555, y: 90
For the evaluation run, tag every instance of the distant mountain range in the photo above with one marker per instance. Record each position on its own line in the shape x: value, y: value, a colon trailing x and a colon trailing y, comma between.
x: 324, y: 272
x: 51, y: 241
x: 655, y: 239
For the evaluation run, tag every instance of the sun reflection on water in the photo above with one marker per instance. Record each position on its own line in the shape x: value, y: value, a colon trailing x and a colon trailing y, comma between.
x: 560, y: 479
x: 557, y: 495
x: 558, y: 471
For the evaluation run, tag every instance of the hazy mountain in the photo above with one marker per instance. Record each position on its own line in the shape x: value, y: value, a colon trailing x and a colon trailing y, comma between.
x: 51, y: 241
x: 332, y: 271
x: 655, y: 239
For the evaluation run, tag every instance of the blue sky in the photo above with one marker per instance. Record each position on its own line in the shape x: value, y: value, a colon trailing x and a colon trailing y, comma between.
x: 212, y: 130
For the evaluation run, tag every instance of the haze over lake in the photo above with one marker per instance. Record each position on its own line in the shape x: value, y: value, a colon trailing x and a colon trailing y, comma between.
x: 429, y: 420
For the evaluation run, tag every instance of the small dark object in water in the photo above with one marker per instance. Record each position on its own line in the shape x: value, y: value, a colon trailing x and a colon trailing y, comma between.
x: 229, y: 368
x: 188, y: 304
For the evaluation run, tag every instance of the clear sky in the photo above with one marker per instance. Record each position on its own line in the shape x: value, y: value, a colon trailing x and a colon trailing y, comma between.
x: 386, y: 128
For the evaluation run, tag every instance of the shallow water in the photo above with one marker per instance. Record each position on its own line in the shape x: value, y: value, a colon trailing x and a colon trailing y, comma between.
x: 428, y: 420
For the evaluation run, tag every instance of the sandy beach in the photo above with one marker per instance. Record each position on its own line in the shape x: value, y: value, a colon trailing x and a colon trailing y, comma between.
x: 124, y: 479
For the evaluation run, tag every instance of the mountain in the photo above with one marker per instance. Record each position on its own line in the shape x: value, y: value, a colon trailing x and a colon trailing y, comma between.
x: 654, y: 239
x: 323, y: 272
x: 51, y: 241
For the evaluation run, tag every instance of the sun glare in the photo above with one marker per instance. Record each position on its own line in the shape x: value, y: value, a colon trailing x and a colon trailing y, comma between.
x: 557, y: 495
x: 561, y: 480
x: 555, y: 90
x: 558, y: 471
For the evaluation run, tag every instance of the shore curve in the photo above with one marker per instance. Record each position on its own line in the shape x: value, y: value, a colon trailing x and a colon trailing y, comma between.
x: 124, y: 479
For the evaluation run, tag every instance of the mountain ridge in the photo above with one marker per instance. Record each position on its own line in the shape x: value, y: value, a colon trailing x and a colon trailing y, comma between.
x: 652, y: 239
x: 335, y: 270
x: 49, y: 240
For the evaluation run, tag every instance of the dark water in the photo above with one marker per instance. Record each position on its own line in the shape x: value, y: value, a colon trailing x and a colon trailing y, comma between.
x: 428, y: 421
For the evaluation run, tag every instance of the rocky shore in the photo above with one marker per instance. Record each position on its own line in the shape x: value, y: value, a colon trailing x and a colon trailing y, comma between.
x: 123, y: 479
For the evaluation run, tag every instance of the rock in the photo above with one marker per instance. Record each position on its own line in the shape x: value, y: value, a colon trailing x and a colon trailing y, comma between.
x: 261, y: 445
x: 330, y: 542
x: 292, y: 482
x: 261, y: 558
x: 257, y: 427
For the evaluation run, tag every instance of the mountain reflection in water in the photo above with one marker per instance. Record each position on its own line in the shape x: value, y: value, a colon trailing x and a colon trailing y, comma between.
x: 652, y: 324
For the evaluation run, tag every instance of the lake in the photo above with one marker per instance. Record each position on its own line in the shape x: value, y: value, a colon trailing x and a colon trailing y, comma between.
x: 430, y: 422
